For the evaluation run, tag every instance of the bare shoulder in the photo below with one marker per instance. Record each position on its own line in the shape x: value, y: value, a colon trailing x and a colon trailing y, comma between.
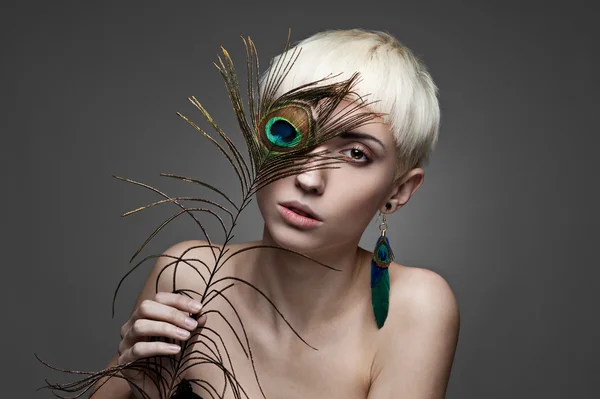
x: 183, y: 262
x: 422, y: 297
x: 190, y: 248
x: 419, y: 337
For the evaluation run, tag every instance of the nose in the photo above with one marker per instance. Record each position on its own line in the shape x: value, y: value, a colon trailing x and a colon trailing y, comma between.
x: 312, y: 181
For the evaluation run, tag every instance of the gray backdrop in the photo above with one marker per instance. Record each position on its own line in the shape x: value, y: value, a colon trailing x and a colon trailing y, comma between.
x: 507, y: 213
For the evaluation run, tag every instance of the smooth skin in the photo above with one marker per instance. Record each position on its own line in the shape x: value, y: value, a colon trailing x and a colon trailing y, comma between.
x: 410, y: 357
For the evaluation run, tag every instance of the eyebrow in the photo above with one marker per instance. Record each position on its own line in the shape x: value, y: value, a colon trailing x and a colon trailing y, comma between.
x: 364, y: 136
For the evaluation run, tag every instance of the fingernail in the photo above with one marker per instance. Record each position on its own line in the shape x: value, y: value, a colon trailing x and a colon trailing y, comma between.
x: 190, y: 323
x: 183, y: 333
x: 173, y: 348
x: 195, y: 306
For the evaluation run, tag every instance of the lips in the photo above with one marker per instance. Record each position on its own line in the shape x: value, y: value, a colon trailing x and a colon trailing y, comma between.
x: 299, y: 212
x: 301, y: 209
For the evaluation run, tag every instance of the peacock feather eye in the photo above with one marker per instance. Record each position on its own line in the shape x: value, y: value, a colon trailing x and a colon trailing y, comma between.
x: 282, y: 133
x: 287, y: 128
x: 383, y: 253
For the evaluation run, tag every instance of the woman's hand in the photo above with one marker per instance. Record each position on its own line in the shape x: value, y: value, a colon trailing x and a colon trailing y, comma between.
x: 166, y: 315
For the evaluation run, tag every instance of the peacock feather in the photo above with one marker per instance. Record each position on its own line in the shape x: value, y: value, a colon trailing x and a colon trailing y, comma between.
x: 380, y: 279
x: 281, y: 133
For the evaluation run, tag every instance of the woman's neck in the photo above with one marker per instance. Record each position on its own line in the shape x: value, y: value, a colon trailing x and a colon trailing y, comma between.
x: 306, y: 293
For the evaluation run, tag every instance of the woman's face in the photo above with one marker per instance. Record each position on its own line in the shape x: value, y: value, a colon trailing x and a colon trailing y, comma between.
x: 343, y: 200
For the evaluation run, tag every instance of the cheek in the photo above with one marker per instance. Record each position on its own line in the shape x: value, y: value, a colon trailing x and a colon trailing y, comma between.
x: 266, y: 198
x: 363, y: 188
x: 360, y: 202
x: 262, y: 200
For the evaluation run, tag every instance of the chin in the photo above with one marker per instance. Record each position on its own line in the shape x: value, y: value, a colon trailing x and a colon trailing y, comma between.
x: 293, y: 239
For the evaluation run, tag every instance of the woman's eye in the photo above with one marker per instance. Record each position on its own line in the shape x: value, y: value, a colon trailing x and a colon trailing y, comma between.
x: 356, y: 154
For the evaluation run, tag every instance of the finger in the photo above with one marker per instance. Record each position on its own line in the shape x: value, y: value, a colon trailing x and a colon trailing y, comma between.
x: 196, y: 333
x: 125, y: 328
x: 157, y: 311
x: 147, y: 349
x: 178, y: 301
x: 201, y: 321
x: 143, y: 328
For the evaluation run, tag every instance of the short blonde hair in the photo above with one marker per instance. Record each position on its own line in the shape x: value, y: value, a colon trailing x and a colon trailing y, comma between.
x: 391, y: 75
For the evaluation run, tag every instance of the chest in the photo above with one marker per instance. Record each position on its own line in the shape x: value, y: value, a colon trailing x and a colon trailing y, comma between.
x: 265, y: 365
x: 285, y: 376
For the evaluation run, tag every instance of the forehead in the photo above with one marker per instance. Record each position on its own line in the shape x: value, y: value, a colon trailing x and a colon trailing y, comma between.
x: 377, y: 126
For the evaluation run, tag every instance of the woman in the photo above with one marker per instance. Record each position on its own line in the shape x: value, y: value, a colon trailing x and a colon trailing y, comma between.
x: 328, y: 344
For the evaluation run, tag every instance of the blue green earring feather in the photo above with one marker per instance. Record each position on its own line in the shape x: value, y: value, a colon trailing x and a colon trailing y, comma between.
x: 380, y: 277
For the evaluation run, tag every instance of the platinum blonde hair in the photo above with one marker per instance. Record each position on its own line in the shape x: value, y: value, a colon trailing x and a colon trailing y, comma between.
x: 391, y: 76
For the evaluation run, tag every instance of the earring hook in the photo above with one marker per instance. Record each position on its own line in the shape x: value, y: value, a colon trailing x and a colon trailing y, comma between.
x: 383, y: 225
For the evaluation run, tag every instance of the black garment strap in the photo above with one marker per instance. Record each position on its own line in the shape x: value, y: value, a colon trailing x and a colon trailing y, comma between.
x: 184, y: 391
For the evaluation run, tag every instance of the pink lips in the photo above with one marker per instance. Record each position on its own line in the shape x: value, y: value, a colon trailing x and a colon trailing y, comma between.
x: 286, y: 210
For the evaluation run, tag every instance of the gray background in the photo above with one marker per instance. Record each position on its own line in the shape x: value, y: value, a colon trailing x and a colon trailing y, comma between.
x: 507, y: 213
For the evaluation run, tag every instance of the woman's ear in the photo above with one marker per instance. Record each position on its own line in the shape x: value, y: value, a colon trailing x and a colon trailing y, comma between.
x: 403, y: 189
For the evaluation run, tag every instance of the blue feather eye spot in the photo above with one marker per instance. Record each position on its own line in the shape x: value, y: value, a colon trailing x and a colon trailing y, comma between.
x: 282, y: 133
x: 288, y: 128
x: 383, y: 253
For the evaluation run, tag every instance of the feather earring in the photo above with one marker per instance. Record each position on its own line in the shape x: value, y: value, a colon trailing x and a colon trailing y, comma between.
x: 380, y: 277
